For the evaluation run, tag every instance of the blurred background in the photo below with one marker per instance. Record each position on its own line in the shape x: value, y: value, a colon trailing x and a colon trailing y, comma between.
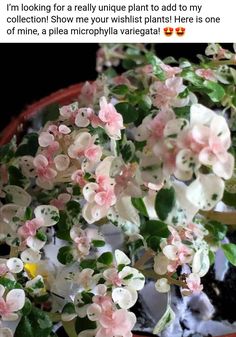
x: 33, y: 71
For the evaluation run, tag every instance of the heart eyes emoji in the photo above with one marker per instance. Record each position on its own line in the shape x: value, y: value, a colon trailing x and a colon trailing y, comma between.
x: 168, y: 31
x: 180, y: 31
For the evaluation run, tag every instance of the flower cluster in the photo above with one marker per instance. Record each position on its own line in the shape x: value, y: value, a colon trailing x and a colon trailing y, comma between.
x: 149, y: 152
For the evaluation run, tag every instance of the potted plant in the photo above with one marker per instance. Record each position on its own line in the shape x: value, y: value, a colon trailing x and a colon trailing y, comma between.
x: 147, y: 156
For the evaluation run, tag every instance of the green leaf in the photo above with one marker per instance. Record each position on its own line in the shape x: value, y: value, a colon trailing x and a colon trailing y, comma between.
x: 50, y: 113
x: 73, y: 208
x: 192, y: 77
x: 36, y: 324
x: 164, y: 203
x: 65, y: 255
x: 157, y: 228
x: 211, y: 257
x: 41, y: 235
x: 69, y: 308
x: 138, y: 203
x: 26, y: 308
x: 9, y: 284
x: 29, y: 146
x: 84, y: 323
x: 121, y: 89
x: 64, y: 225
x: 216, y: 230
x: 182, y: 112
x: 7, y: 152
x: 229, y: 250
x: 127, y: 151
x: 106, y: 258
x: 28, y: 213
x: 76, y: 190
x: 128, y: 112
x: 165, y: 321
x: 128, y: 64
x: 98, y: 243
x: 155, y: 62
x: 87, y: 297
x: 91, y: 263
x: 16, y: 177
x: 154, y: 242
x: 217, y: 91
x: 110, y: 73
x: 229, y: 199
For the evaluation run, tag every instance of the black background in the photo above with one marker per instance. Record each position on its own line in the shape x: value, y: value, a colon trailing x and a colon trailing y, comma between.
x: 32, y: 71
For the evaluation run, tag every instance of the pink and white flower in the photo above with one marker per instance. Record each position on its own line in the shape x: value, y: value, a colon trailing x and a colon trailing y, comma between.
x: 83, y: 240
x: 61, y: 201
x: 165, y: 94
x: 44, y: 171
x: 207, y: 74
x: 111, y: 321
x: 84, y: 147
x: 11, y: 303
x: 194, y: 283
x: 100, y: 195
x: 113, y: 121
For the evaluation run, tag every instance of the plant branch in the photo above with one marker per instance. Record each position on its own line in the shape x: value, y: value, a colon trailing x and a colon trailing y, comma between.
x: 144, y: 258
x: 153, y: 275
x: 217, y: 63
x: 69, y: 328
x: 227, y: 218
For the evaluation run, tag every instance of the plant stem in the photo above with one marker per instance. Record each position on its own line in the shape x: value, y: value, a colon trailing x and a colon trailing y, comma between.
x: 14, y: 252
x: 69, y: 328
x: 143, y: 259
x: 222, y: 62
x: 153, y: 275
x: 227, y: 218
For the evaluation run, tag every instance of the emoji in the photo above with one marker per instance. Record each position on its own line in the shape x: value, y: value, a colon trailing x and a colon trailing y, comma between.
x: 180, y: 31
x: 168, y: 31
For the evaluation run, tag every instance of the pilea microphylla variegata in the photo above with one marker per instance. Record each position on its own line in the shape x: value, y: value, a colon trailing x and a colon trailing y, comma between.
x: 150, y: 151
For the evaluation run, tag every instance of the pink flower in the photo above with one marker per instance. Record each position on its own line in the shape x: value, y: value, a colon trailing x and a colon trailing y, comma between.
x: 78, y: 178
x: 69, y: 112
x: 43, y: 170
x: 100, y: 197
x: 83, y: 239
x: 84, y: 146
x: 194, y: 283
x: 112, y: 277
x: 3, y: 268
x: 29, y: 229
x: 111, y: 322
x: 170, y: 71
x: 215, y: 141
x: 61, y: 201
x: 118, y: 323
x: 14, y: 301
x: 113, y: 121
x: 88, y: 93
x: 145, y: 70
x: 207, y: 74
x: 121, y: 79
x: 165, y: 94
x: 178, y: 254
x: 46, y: 138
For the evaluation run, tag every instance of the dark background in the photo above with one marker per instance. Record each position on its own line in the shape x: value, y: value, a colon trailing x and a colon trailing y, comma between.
x: 32, y: 71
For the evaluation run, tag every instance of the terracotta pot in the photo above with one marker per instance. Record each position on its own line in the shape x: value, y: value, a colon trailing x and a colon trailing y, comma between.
x: 62, y: 97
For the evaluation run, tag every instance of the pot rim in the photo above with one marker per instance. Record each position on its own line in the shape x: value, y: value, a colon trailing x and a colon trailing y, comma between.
x: 61, y: 96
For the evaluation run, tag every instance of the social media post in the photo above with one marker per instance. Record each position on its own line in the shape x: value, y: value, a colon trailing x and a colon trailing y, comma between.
x: 106, y: 21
